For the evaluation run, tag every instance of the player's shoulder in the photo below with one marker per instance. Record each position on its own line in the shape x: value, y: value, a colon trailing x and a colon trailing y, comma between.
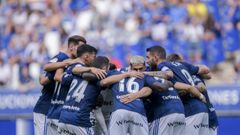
x: 113, y: 72
x: 59, y: 57
x: 164, y: 66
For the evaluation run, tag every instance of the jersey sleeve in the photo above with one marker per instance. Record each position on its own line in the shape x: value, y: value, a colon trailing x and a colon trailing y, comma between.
x: 196, y: 79
x: 70, y: 68
x: 193, y: 70
x: 163, y: 67
x: 50, y: 75
x: 66, y: 79
x: 68, y: 75
x: 58, y: 58
x: 112, y: 72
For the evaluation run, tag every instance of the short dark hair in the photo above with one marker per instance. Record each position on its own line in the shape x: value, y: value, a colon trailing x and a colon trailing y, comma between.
x: 76, y: 39
x: 112, y: 66
x: 100, y: 61
x: 174, y: 57
x: 159, y: 50
x: 85, y: 48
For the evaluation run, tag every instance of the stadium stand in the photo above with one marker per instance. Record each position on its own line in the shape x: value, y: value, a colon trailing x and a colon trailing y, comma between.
x: 203, y: 31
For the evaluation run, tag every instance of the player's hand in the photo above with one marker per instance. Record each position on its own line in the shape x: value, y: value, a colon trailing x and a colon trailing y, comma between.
x: 101, y: 74
x: 136, y: 74
x: 128, y: 98
x: 203, y: 98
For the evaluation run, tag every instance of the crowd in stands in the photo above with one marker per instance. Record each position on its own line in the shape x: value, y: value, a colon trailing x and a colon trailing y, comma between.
x: 202, y: 31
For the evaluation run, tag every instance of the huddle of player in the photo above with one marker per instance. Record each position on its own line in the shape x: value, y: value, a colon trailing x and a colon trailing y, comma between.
x: 84, y: 95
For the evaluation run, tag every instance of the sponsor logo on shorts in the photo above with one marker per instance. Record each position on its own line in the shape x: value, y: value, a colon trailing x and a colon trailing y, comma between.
x: 129, y: 122
x: 201, y: 126
x: 66, y: 132
x: 53, y: 125
x: 176, y: 123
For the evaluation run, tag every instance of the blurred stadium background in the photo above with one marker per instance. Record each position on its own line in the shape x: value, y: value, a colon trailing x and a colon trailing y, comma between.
x: 32, y: 31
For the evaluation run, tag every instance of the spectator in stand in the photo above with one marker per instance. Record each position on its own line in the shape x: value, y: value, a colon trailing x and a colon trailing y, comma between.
x: 25, y: 79
x: 197, y: 9
x: 5, y: 73
x: 212, y: 49
x: 33, y: 31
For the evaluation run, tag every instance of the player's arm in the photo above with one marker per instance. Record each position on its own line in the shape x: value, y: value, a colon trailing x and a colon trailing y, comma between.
x: 161, y: 74
x: 144, y: 92
x: 207, y: 76
x: 43, y: 80
x: 56, y: 65
x: 161, y: 86
x: 203, y: 69
x: 201, y: 87
x: 89, y: 76
x: 46, y: 78
x: 190, y: 89
x: 116, y: 78
x: 158, y: 84
x: 196, y: 69
x: 58, y: 75
x: 199, y: 84
x: 98, y: 72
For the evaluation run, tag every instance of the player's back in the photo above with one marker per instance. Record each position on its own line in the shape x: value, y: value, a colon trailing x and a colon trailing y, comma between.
x: 126, y: 86
x: 60, y: 93
x: 181, y: 70
x: 183, y: 73
x: 166, y: 102
x: 80, y: 101
x: 213, y: 119
x: 128, y: 118
x: 44, y: 102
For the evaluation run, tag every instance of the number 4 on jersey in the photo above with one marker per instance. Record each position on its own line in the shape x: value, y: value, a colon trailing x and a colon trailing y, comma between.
x: 77, y: 90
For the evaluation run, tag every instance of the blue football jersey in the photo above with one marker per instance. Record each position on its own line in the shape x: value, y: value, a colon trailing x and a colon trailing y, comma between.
x: 183, y: 73
x: 80, y: 101
x: 126, y: 86
x: 60, y: 92
x: 162, y: 103
x: 44, y: 102
x: 165, y: 102
x: 213, y: 119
